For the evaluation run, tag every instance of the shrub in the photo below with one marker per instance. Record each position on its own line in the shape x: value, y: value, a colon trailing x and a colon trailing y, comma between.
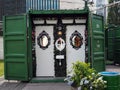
x: 85, y: 77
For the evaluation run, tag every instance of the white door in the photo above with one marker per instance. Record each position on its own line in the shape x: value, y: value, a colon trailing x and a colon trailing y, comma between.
x: 44, y: 51
x: 75, y: 48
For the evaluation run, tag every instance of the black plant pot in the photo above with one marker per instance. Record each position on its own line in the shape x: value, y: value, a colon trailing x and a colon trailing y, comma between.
x: 74, y: 84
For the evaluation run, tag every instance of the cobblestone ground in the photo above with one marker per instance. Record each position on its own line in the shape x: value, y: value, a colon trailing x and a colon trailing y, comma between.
x: 15, y: 85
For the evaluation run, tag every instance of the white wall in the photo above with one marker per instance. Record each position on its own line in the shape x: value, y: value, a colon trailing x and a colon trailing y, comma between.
x: 71, y: 4
x: 76, y: 4
x: 1, y: 47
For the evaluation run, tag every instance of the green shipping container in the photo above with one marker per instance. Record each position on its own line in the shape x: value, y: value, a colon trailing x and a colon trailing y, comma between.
x: 117, y: 45
x: 46, y: 43
x: 110, y: 38
x: 112, y: 43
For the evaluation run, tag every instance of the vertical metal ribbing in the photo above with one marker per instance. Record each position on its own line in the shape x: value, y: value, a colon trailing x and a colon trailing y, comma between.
x: 53, y: 4
x: 36, y: 4
x: 32, y: 4
x: 39, y: 4
x: 47, y: 5
x: 28, y: 4
x: 56, y: 4
x: 59, y: 4
x: 42, y: 4
x: 50, y: 4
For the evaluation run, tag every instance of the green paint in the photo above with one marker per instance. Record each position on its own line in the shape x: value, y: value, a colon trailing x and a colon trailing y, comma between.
x: 47, y: 80
x: 15, y: 48
x: 53, y: 12
x: 97, y: 43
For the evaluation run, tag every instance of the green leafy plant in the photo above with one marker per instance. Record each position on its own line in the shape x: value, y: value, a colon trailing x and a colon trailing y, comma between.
x: 85, y: 77
x: 1, y: 68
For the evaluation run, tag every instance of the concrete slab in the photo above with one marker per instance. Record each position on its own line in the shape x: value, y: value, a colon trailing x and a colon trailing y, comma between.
x: 47, y: 86
x: 11, y: 85
x: 113, y: 68
x: 16, y: 85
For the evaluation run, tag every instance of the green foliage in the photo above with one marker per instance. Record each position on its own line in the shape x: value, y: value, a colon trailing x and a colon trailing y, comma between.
x: 1, y: 68
x: 85, y: 77
x: 81, y: 70
x: 96, y: 82
x: 114, y: 13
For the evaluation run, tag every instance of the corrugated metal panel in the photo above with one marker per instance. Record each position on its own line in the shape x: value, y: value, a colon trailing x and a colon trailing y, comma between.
x: 12, y: 7
x: 20, y: 6
x: 15, y: 51
x: 1, y: 9
x: 98, y: 43
x: 1, y: 30
x: 110, y: 37
x: 42, y: 4
x: 117, y: 45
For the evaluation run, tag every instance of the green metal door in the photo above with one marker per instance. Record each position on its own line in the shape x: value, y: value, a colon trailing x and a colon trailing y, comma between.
x: 97, y: 43
x: 117, y: 45
x: 15, y: 48
x: 110, y: 44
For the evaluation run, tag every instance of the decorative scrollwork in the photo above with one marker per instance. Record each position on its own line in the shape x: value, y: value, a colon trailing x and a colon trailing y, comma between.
x: 43, y: 40
x: 76, y: 40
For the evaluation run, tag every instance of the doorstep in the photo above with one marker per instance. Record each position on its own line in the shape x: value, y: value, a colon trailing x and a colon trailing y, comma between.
x: 47, y: 79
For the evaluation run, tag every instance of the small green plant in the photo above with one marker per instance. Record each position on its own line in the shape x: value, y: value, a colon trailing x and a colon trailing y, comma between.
x: 85, y: 77
x: 1, y: 68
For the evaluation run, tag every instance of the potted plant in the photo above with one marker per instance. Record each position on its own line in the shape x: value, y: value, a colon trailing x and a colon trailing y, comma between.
x: 85, y: 78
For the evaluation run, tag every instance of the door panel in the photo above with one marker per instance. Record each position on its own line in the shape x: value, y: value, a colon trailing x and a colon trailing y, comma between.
x: 75, y: 53
x: 44, y: 51
x: 15, y: 48
x: 98, y: 43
